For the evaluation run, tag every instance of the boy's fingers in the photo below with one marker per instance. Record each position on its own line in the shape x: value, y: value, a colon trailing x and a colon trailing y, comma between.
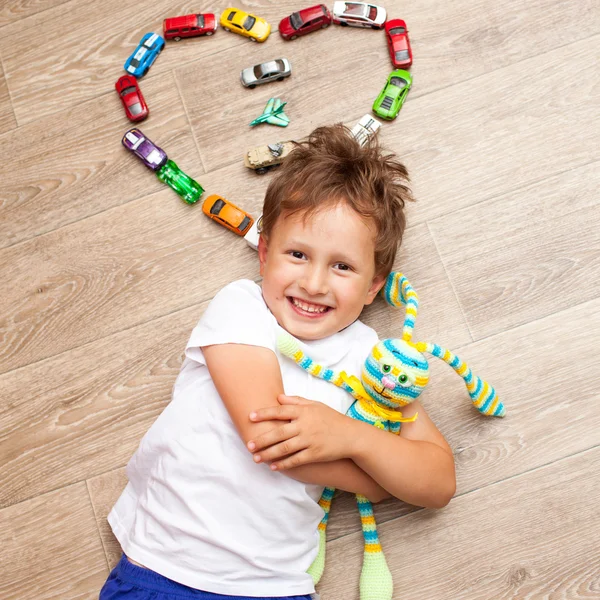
x: 286, y: 412
x: 283, y: 399
x: 279, y: 434
x: 300, y: 458
x: 279, y: 450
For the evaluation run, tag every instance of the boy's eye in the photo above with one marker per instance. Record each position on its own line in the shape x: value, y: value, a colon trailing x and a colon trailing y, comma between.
x: 386, y: 368
x: 297, y: 254
x: 343, y: 267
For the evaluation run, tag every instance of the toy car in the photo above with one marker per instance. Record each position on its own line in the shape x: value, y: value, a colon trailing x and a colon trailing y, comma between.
x: 150, y: 154
x: 359, y: 14
x: 254, y: 234
x: 227, y: 214
x: 189, y: 189
x: 273, y: 70
x: 250, y: 26
x: 145, y: 54
x: 367, y: 127
x: 390, y: 100
x: 398, y: 43
x: 176, y: 28
x: 263, y: 158
x: 304, y: 21
x: 134, y: 104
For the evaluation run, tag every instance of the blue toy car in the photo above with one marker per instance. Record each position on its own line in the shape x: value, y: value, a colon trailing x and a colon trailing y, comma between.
x: 145, y: 54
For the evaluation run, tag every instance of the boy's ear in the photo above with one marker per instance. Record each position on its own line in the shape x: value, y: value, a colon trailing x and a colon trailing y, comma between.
x: 377, y: 284
x: 262, y: 253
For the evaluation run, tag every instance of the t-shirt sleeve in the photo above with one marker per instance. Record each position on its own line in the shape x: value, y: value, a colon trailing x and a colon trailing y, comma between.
x: 236, y: 315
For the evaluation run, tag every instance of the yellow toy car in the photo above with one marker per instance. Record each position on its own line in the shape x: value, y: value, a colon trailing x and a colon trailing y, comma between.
x: 251, y: 26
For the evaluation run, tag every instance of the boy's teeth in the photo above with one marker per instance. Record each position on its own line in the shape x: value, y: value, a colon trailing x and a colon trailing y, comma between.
x: 309, y: 307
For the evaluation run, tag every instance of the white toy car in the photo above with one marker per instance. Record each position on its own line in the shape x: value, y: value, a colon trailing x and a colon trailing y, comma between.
x: 367, y: 127
x: 273, y: 70
x: 254, y: 233
x: 358, y: 14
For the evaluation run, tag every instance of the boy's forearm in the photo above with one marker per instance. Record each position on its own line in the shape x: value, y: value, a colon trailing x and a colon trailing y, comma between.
x: 341, y: 474
x: 418, y: 472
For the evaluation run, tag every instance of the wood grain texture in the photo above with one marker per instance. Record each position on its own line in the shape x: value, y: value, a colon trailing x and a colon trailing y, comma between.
x: 16, y: 10
x: 73, y: 165
x: 83, y: 62
x: 538, y: 251
x: 51, y: 548
x: 532, y: 536
x: 7, y: 114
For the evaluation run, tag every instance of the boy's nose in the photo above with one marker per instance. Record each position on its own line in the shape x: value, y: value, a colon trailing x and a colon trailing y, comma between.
x: 314, y: 282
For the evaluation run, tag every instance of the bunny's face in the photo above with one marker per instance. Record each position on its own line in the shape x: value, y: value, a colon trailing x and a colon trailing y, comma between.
x: 395, y: 373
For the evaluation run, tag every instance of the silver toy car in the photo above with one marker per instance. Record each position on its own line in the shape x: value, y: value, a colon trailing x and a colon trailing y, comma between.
x: 273, y: 70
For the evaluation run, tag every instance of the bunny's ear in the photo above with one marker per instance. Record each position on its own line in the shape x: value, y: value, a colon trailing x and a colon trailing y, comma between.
x: 398, y: 291
x: 482, y: 394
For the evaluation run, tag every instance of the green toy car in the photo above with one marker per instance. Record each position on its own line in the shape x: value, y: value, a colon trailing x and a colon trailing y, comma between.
x: 189, y: 189
x: 390, y: 100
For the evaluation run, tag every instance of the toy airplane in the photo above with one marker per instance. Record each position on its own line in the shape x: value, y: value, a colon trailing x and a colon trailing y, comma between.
x: 273, y: 114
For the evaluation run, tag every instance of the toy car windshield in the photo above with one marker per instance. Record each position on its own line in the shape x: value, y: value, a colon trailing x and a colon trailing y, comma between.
x: 296, y: 20
x: 215, y: 209
x: 398, y: 82
x: 372, y: 13
x: 397, y: 30
x: 128, y: 90
x: 231, y: 15
x: 199, y: 20
x: 249, y: 23
x: 357, y: 10
x: 401, y: 55
x: 136, y: 109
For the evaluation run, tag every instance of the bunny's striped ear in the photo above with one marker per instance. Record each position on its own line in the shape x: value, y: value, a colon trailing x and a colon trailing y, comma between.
x: 482, y: 394
x: 397, y: 291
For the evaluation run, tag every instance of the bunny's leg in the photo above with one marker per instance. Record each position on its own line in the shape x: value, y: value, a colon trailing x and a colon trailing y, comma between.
x: 375, y: 579
x: 318, y: 566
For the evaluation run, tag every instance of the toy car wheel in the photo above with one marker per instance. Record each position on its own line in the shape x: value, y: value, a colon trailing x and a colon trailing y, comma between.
x: 261, y: 170
x: 325, y: 26
x: 280, y: 79
x: 145, y: 71
x: 252, y: 86
x: 294, y: 37
x: 343, y: 24
x: 209, y: 32
x: 177, y: 39
x: 375, y: 27
x: 252, y: 39
x: 226, y: 29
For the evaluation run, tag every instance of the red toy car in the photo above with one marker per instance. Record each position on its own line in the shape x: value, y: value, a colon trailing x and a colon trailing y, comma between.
x: 189, y: 26
x: 129, y: 91
x: 398, y: 43
x: 305, y: 21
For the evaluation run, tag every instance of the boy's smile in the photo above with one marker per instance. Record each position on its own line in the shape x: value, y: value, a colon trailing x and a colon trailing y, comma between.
x: 319, y: 274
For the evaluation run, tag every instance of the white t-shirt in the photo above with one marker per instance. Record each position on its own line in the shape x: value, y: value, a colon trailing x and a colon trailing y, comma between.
x: 197, y: 508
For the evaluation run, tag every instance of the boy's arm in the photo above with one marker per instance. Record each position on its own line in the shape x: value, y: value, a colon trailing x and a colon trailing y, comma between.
x: 416, y: 466
x: 249, y: 378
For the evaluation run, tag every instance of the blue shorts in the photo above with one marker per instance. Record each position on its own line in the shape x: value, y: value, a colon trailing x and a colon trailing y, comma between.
x: 135, y: 583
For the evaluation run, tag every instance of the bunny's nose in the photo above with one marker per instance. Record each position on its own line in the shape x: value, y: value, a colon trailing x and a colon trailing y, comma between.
x: 390, y: 384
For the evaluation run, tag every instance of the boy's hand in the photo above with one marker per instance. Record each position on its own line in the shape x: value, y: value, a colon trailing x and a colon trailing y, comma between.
x: 313, y: 433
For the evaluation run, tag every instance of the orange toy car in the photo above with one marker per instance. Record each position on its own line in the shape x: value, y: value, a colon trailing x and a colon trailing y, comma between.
x: 222, y: 211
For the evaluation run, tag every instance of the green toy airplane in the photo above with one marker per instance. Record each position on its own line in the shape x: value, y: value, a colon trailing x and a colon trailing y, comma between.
x: 273, y: 114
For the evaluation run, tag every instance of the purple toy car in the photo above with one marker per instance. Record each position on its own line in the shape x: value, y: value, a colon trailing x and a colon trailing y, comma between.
x: 150, y: 154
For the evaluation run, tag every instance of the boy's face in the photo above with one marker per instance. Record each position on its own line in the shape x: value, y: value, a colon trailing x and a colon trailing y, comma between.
x: 318, y: 275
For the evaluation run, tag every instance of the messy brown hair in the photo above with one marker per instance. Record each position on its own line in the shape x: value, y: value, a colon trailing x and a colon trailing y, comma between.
x: 331, y: 167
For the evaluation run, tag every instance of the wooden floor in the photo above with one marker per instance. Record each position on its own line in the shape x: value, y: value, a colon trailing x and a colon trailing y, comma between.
x: 105, y: 272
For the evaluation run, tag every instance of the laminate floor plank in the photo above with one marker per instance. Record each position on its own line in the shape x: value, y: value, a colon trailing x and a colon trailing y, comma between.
x: 16, y: 10
x: 532, y: 536
x: 88, y: 169
x: 7, y: 114
x: 524, y: 255
x: 51, y: 548
x: 83, y: 62
x: 87, y: 408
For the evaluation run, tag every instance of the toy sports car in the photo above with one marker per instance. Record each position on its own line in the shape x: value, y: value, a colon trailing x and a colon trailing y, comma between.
x: 359, y: 14
x: 225, y: 213
x: 250, y: 26
x: 150, y: 154
x: 304, y: 21
x: 134, y: 104
x: 398, y: 43
x: 189, y: 189
x: 273, y: 70
x: 392, y: 97
x: 145, y: 54
x: 366, y: 128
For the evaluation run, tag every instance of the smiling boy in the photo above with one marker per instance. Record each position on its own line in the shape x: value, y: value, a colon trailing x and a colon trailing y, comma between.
x: 223, y: 490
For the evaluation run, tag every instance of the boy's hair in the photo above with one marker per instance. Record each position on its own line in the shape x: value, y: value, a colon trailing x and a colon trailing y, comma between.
x: 331, y: 167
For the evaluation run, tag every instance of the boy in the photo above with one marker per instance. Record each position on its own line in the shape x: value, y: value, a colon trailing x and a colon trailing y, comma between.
x: 223, y: 490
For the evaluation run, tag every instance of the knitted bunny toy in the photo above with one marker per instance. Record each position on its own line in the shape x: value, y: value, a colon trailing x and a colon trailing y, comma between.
x: 394, y: 375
